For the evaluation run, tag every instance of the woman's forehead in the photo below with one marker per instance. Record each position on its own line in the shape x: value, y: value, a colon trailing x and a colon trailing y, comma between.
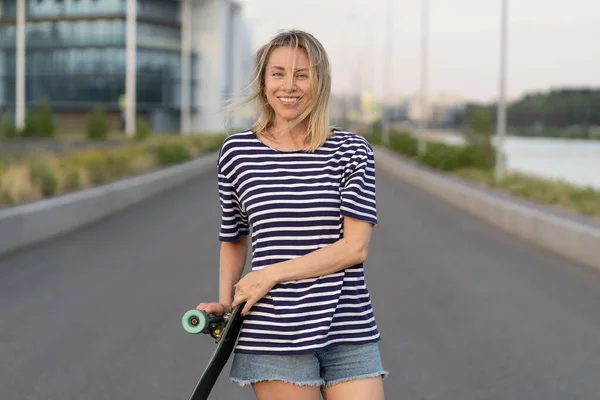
x: 285, y: 56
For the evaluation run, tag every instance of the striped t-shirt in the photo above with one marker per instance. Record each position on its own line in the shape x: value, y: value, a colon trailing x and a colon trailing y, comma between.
x: 293, y: 203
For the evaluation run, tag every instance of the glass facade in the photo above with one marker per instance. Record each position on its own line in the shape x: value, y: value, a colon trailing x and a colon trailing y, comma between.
x: 157, y: 9
x: 75, y: 53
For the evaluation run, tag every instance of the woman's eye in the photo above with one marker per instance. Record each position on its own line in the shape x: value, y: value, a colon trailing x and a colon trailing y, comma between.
x: 303, y: 76
x: 277, y: 74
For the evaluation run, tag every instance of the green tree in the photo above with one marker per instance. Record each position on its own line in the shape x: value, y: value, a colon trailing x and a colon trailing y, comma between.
x: 479, y: 121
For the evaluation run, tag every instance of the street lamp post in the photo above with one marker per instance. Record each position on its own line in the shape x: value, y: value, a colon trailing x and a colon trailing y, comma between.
x: 387, y: 76
x: 185, y: 80
x: 424, y: 74
x: 20, y: 67
x: 501, y: 119
x: 131, y: 68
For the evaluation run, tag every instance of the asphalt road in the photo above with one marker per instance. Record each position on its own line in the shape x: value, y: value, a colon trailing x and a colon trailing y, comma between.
x: 466, y: 312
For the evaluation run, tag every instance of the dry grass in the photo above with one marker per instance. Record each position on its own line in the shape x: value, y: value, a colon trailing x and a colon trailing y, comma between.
x: 33, y: 177
x: 16, y: 186
x: 557, y: 194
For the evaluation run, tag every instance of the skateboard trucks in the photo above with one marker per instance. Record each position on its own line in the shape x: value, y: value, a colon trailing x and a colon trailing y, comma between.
x: 197, y: 321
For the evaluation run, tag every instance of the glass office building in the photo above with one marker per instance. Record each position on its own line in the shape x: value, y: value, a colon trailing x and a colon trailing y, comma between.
x: 75, y: 57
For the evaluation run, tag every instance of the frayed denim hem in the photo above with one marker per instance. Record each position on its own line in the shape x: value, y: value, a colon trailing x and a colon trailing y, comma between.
x: 383, y: 375
x: 243, y: 382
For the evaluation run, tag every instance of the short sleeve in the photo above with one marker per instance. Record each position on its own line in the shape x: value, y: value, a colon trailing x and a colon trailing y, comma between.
x: 358, y: 194
x: 234, y: 220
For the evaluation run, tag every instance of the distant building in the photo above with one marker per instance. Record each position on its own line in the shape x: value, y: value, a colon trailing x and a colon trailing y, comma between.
x: 348, y: 110
x: 441, y: 109
x: 76, y: 58
x: 344, y: 109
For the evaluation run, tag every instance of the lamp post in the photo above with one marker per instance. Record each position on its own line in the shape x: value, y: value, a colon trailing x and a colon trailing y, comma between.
x: 501, y: 119
x: 131, y: 68
x: 387, y: 76
x: 185, y: 80
x: 424, y: 74
x: 20, y: 67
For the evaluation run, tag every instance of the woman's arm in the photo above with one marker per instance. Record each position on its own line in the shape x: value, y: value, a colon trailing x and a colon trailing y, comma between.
x: 232, y: 261
x: 352, y: 249
x: 231, y: 266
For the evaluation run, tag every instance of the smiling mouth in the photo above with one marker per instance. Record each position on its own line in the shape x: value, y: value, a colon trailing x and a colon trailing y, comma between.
x: 289, y: 100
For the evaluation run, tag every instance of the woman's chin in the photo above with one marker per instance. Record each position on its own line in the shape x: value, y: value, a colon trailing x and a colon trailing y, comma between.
x: 287, y: 117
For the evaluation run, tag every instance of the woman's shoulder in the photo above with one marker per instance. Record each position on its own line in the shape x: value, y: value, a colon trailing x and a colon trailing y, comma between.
x: 237, y: 140
x: 351, y: 140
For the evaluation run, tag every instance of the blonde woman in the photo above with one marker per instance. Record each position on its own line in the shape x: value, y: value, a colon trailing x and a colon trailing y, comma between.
x: 304, y: 195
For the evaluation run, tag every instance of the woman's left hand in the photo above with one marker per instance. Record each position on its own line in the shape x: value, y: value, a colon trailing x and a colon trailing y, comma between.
x: 251, y: 288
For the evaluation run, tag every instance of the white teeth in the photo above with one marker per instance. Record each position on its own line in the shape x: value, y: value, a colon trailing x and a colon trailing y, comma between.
x: 289, y: 100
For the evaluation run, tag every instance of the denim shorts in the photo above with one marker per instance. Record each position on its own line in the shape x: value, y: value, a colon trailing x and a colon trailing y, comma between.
x: 336, y: 364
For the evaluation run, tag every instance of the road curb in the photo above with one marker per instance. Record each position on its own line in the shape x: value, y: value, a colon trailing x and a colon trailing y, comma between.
x: 569, y: 238
x: 32, y: 223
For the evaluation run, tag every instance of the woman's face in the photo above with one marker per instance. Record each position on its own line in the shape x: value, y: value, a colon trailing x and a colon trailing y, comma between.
x: 287, y: 83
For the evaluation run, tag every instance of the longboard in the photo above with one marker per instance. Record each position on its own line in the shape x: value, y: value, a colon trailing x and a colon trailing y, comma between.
x: 225, y: 330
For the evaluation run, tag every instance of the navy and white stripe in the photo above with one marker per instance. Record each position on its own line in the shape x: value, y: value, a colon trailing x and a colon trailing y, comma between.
x: 293, y: 203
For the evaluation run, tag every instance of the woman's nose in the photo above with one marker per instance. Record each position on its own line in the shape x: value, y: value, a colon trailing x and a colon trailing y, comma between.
x: 289, y: 84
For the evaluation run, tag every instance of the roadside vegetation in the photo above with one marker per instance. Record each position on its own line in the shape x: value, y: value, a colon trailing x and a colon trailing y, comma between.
x: 28, y: 178
x: 572, y: 113
x: 475, y: 161
x: 32, y: 176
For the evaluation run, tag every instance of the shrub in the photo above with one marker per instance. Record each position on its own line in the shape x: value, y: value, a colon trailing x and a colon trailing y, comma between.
x: 72, y: 180
x: 8, y: 128
x: 373, y: 135
x: 170, y: 153
x: 211, y: 143
x: 45, y: 126
x: 97, y: 124
x: 2, y: 169
x: 39, y: 122
x: 442, y: 156
x: 142, y: 128
x: 478, y: 156
x: 95, y: 164
x: 202, y: 143
x: 42, y: 175
x: 404, y: 143
x: 30, y: 127
x: 118, y: 165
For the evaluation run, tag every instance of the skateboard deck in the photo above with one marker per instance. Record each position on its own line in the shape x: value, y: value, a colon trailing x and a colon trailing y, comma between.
x: 225, y: 331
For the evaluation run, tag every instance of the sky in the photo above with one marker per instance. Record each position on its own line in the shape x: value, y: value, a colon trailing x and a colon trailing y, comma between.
x: 551, y: 44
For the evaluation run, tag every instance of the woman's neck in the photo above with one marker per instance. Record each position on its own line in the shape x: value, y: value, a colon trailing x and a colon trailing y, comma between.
x: 287, y: 139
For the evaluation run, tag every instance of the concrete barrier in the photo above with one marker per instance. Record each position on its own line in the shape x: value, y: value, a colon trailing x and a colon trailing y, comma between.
x: 24, y: 225
x: 568, y: 237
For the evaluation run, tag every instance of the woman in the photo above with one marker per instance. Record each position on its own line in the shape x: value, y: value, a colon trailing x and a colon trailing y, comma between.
x: 306, y: 196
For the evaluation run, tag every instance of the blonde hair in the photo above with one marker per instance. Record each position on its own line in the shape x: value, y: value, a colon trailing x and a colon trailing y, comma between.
x: 317, y: 112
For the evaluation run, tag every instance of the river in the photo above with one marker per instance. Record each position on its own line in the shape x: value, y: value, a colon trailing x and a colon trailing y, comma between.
x: 570, y: 160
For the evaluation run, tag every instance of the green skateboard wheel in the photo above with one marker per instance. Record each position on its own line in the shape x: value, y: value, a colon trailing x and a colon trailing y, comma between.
x: 194, y: 321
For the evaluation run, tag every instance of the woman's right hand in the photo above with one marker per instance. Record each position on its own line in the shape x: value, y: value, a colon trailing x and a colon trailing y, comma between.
x: 217, y: 309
